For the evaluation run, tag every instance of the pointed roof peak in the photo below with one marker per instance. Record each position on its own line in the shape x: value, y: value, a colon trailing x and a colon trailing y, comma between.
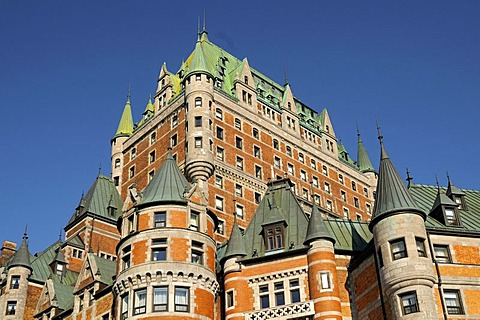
x: 317, y: 229
x: 236, y: 242
x: 393, y: 196
x: 125, y: 126
x: 22, y: 256
x: 363, y: 160
x: 409, y: 179
x: 452, y: 189
x: 168, y: 185
x: 383, y: 152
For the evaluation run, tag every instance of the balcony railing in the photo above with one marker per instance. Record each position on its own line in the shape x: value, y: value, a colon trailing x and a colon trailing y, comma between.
x: 298, y: 310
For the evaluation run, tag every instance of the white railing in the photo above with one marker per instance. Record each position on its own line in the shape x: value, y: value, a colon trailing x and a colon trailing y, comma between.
x: 300, y: 309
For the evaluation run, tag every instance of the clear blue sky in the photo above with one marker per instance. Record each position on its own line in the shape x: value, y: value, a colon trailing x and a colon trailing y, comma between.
x: 65, y: 67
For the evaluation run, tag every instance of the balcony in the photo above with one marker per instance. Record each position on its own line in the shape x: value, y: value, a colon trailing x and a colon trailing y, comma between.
x: 300, y: 310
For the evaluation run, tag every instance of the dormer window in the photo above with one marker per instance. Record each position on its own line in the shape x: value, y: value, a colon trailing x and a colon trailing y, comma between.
x: 460, y: 200
x: 451, y: 216
x: 274, y: 237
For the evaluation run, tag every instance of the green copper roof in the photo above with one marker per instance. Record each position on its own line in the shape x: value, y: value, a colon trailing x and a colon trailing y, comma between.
x: 291, y: 216
x: 63, y: 292
x: 442, y: 200
x: 168, y: 184
x: 236, y: 243
x: 125, y: 127
x: 363, y: 160
x: 350, y: 236
x: 102, y: 195
x: 317, y: 228
x: 59, y: 257
x: 392, y: 195
x: 344, y: 156
x: 198, y: 62
x: 425, y: 196
x: 106, y: 269
x: 22, y: 256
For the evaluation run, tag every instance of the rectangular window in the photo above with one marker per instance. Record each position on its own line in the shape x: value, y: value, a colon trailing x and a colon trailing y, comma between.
x: 194, y: 220
x: 276, y: 145
x: 239, y: 211
x: 343, y: 195
x: 316, y: 199
x: 277, y: 162
x: 453, y: 301
x: 264, y: 299
x: 301, y: 157
x: 131, y: 172
x: 153, y: 138
x: 197, y: 252
x: 369, y: 208
x: 11, y: 308
x: 345, y: 212
x: 279, y: 293
x: 290, y: 169
x: 238, y: 124
x: 325, y: 170
x: 255, y: 133
x: 398, y: 248
x: 258, y: 172
x: 219, y: 182
x: 174, y: 120
x: 220, y: 154
x: 365, y: 192
x: 219, y: 114
x: 329, y: 205
x: 274, y: 237
x: 151, y: 157
x: 409, y: 302
x: 257, y: 197
x: 133, y: 153
x: 124, y: 310
x: 219, y: 203
x: 294, y: 291
x: 151, y: 174
x: 305, y: 193
x: 315, y: 182
x: 420, y: 247
x: 198, y: 122
x: 140, y: 302
x: 256, y: 152
x: 327, y: 187
x: 15, y: 282
x: 354, y: 186
x: 451, y: 216
x: 221, y: 227
x: 198, y: 142
x: 238, y: 142
x: 303, y: 175
x: 325, y: 279
x: 340, y: 178
x: 159, y: 249
x: 238, y: 190
x: 356, y: 202
x: 230, y: 301
x: 198, y: 102
x: 181, y: 299
x: 160, y: 219
x: 289, y: 151
x: 442, y: 253
x: 174, y: 140
x: 220, y: 133
x: 239, y: 163
x: 313, y: 164
x: 160, y: 299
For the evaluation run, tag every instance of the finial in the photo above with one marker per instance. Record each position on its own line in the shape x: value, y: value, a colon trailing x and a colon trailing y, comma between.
x: 99, y: 168
x: 25, y: 236
x: 438, y: 184
x: 409, y: 179
x: 60, y: 235
x: 448, y: 178
x: 198, y: 28
x: 286, y: 75
x: 358, y: 130
x: 204, y: 21
x: 128, y: 95
x: 380, y: 137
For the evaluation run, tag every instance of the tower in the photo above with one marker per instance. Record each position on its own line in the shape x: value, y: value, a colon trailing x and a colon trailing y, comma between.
x: 167, y: 251
x: 124, y: 130
x: 322, y: 270
x: 16, y: 293
x: 199, y: 84
x: 398, y: 227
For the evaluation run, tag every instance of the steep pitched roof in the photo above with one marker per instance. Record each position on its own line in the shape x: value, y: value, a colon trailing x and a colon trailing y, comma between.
x: 451, y: 189
x: 363, y: 160
x: 22, y: 256
x: 102, y: 195
x: 317, y: 228
x: 168, y: 184
x: 125, y: 126
x: 106, y: 269
x: 392, y: 195
x: 236, y: 242
x: 289, y: 212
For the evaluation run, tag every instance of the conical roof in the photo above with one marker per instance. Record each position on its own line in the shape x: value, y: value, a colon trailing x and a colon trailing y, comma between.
x: 363, y: 160
x: 102, y: 195
x: 198, y: 62
x: 316, y: 228
x: 236, y: 243
x: 125, y: 126
x: 168, y: 184
x: 22, y: 256
x: 59, y: 257
x: 392, y: 195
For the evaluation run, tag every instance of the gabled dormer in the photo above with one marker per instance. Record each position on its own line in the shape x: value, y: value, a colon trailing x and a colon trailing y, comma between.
x: 245, y: 86
x: 445, y: 210
x: 457, y: 195
x: 273, y: 227
x: 58, y: 264
x: 290, y: 117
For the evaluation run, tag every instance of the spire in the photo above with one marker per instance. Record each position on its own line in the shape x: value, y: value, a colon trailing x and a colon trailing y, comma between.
x: 452, y: 189
x: 168, y: 184
x: 204, y: 33
x: 22, y: 256
x: 149, y: 109
x: 392, y: 194
x: 363, y: 160
x: 409, y: 179
x: 316, y: 228
x: 125, y: 126
x: 198, y: 62
x: 286, y: 76
x: 236, y: 243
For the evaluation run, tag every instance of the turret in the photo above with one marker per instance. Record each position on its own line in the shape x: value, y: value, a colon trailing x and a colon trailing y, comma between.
x: 199, y: 105
x: 398, y: 227
x: 124, y: 130
x: 363, y: 161
x: 322, y: 269
x: 19, y: 270
x: 167, y: 251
